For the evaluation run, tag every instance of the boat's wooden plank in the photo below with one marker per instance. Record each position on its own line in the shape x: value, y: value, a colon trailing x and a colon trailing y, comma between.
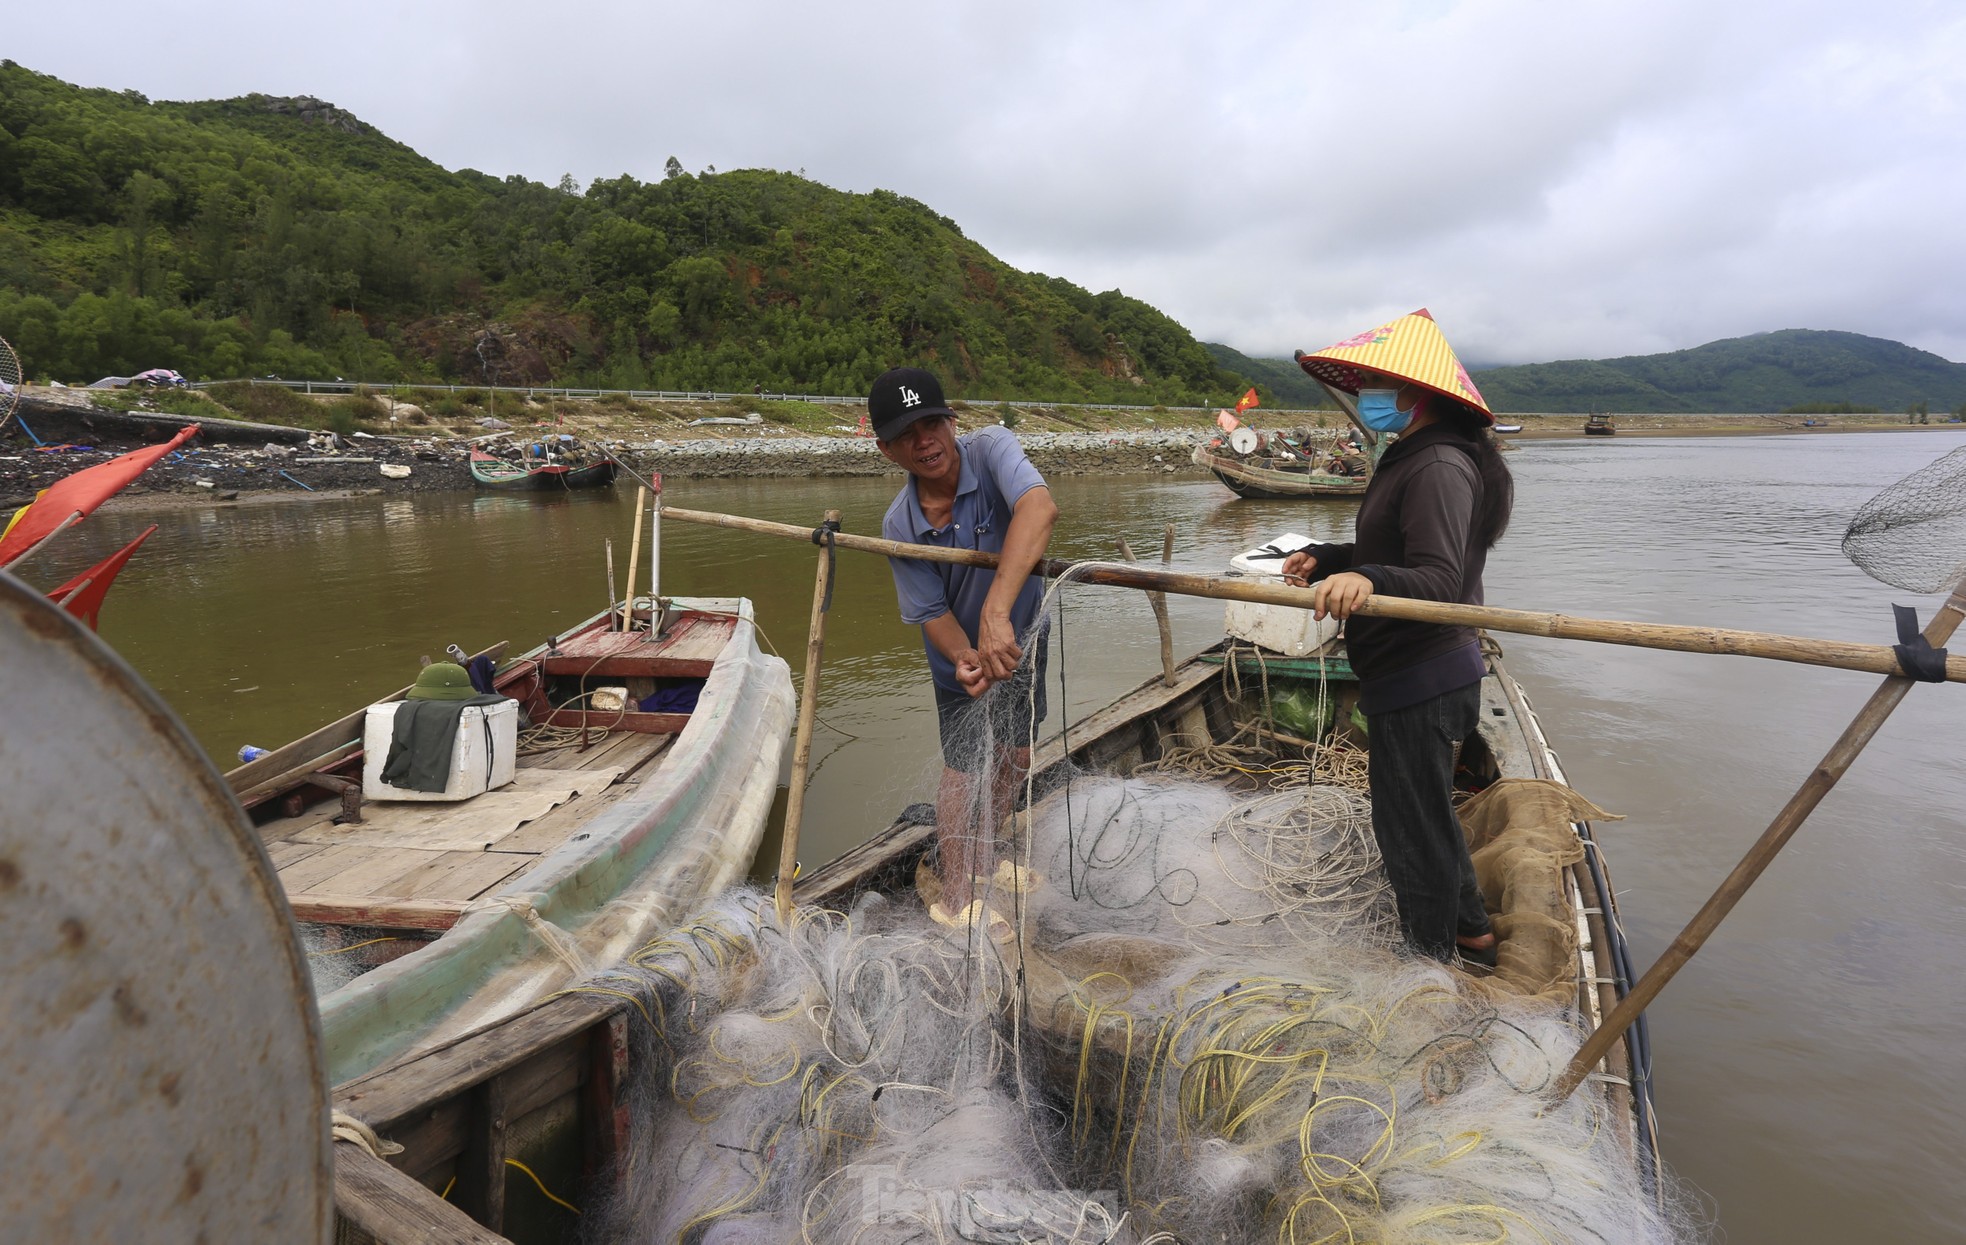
x: 390, y: 1095
x: 481, y: 1167
x: 845, y: 871
x: 367, y: 910
x: 378, y: 872
x: 308, y: 747
x: 548, y: 832
x: 396, y: 1209
x: 637, y: 751
x: 639, y: 723
x: 460, y: 876
x: 284, y: 852
x: 597, y: 755
x: 261, y: 792
x: 698, y: 638
x: 303, y: 875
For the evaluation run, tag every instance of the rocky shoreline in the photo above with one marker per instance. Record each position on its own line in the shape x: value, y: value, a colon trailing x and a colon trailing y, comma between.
x: 234, y: 460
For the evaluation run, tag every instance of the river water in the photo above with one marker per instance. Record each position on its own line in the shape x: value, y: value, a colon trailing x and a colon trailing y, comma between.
x: 1801, y: 1057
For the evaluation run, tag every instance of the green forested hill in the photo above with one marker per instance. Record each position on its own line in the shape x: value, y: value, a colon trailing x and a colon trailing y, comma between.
x: 1765, y: 372
x: 257, y: 235
x: 1281, y: 381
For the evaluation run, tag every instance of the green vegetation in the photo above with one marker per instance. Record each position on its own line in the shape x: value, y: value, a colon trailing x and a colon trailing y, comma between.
x: 1279, y: 382
x: 1766, y: 372
x: 261, y: 236
x: 1830, y: 408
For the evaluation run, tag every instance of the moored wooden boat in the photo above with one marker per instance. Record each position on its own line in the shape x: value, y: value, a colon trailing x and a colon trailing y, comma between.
x: 1598, y: 424
x: 1247, y: 477
x: 557, y: 1074
x: 452, y: 915
x: 492, y: 471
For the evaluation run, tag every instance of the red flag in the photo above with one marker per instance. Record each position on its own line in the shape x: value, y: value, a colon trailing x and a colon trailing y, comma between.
x: 82, y: 596
x: 1246, y: 401
x: 1226, y: 421
x: 77, y: 495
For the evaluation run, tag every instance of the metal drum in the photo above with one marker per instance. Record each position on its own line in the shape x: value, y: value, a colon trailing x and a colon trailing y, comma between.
x: 161, y: 1071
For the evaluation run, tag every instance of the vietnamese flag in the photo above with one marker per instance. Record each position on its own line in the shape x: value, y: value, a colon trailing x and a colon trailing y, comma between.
x: 76, y: 496
x: 1246, y: 401
x: 82, y: 596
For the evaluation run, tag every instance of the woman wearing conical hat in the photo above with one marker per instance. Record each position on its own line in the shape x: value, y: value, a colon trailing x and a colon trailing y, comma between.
x: 1438, y: 501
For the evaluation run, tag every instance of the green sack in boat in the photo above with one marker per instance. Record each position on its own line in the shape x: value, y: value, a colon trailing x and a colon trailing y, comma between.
x: 1298, y: 710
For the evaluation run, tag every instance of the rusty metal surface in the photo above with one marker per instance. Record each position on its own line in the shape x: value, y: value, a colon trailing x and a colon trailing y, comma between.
x: 161, y: 1070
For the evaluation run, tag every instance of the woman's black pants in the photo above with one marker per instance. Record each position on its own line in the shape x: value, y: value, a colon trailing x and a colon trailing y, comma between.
x: 1420, y: 838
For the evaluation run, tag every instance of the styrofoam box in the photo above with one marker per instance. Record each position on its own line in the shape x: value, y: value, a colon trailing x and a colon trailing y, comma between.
x: 1279, y: 628
x: 472, y: 771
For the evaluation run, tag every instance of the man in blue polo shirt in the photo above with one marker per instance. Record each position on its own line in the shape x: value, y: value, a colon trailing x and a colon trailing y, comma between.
x: 976, y: 491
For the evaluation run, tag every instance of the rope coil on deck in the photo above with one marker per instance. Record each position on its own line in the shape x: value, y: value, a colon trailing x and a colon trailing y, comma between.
x: 347, y: 1128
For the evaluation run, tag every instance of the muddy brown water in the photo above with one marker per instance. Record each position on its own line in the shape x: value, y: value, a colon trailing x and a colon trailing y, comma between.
x: 1803, y: 1059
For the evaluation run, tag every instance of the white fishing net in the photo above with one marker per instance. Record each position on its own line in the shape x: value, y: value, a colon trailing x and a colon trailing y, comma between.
x: 1177, y: 1014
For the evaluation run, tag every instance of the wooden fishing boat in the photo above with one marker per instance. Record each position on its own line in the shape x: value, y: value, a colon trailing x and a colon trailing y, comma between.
x: 543, y: 1094
x: 619, y: 818
x: 526, y: 472
x: 1272, y: 480
x: 1597, y: 424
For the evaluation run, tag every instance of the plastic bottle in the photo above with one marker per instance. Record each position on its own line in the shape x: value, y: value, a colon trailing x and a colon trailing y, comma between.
x: 250, y: 753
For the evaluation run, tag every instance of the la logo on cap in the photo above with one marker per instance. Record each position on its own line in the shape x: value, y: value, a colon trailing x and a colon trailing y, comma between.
x: 909, y: 397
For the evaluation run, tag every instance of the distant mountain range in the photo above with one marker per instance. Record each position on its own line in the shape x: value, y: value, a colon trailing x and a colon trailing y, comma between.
x: 1764, y: 372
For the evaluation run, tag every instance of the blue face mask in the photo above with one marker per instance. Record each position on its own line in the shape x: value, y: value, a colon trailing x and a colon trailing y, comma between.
x: 1378, y: 409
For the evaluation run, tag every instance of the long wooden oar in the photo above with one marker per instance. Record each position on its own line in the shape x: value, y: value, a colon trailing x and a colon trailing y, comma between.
x: 1836, y: 654
x: 795, y: 798
x: 1839, y: 758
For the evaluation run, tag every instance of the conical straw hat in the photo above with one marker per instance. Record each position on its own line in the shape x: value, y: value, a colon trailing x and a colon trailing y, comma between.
x: 1410, y: 348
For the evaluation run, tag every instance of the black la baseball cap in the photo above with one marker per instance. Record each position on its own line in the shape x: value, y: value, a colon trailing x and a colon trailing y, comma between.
x: 900, y: 397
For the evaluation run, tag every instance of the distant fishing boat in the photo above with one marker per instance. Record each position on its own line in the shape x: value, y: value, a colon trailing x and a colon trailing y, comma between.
x: 1506, y: 429
x: 559, y: 462
x: 1273, y: 479
x: 1600, y: 425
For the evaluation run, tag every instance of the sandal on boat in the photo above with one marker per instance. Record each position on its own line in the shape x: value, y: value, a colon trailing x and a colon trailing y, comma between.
x: 995, y: 925
x: 1013, y: 877
x: 1480, y: 957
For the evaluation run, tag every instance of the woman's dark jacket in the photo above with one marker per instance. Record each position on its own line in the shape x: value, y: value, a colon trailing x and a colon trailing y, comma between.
x: 1415, y: 538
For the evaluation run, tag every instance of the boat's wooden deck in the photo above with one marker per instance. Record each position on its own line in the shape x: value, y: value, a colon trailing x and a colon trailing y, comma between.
x: 419, y: 864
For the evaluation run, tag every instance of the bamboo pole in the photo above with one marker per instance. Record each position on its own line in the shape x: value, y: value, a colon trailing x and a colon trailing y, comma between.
x: 634, y: 558
x: 612, y: 598
x: 1839, y: 758
x: 1835, y: 654
x: 795, y: 798
x: 1158, y: 601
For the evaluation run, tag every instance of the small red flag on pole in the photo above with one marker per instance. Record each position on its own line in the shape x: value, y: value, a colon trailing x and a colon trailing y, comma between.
x: 1227, y: 421
x: 1246, y: 401
x: 82, y: 596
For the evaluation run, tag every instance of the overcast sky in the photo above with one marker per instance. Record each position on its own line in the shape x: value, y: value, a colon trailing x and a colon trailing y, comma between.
x: 1554, y: 180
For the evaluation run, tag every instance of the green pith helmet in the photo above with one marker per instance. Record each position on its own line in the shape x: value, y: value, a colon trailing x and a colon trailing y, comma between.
x: 443, y: 680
